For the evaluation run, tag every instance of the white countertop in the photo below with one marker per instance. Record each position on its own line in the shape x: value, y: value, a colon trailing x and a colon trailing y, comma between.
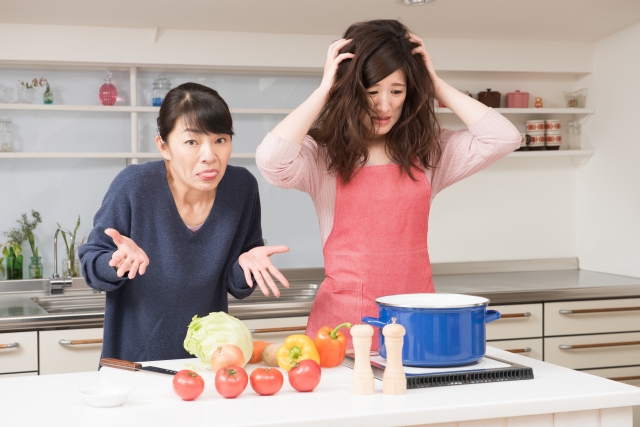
x: 52, y: 400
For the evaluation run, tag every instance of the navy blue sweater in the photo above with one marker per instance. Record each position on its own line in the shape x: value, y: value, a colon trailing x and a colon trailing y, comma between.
x: 147, y: 317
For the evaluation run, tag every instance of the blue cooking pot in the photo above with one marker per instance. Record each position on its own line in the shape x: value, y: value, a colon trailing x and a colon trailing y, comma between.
x: 442, y: 329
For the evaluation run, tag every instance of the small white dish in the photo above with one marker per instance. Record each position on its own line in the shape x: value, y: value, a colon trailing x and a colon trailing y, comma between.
x: 105, y: 397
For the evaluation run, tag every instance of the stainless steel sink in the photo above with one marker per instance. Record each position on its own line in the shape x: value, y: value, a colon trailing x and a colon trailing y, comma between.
x: 69, y: 304
x: 295, y: 301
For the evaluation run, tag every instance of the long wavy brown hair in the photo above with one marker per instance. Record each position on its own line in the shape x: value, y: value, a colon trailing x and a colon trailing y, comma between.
x: 380, y: 47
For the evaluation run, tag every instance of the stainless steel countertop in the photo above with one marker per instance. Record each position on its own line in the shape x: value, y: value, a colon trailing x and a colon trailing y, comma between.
x: 19, y: 311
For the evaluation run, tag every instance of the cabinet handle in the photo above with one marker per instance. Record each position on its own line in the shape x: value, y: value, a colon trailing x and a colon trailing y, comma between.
x: 599, y: 310
x: 608, y: 344
x: 10, y: 345
x: 637, y: 377
x: 285, y: 329
x: 80, y: 342
x: 520, y: 350
x: 513, y: 315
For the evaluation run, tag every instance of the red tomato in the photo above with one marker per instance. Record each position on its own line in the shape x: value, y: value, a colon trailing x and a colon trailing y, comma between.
x: 266, y: 381
x: 305, y: 376
x: 231, y: 381
x: 188, y: 384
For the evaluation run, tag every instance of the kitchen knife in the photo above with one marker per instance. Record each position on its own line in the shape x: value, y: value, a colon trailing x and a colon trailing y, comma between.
x: 133, y: 366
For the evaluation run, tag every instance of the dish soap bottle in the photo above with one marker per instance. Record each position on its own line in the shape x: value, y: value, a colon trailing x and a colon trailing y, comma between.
x: 108, y: 92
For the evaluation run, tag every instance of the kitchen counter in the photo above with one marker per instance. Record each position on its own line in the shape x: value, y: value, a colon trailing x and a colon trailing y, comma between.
x: 19, y: 311
x: 574, y: 397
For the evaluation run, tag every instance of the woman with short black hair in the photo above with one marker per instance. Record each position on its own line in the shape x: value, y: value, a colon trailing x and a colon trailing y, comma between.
x: 173, y: 237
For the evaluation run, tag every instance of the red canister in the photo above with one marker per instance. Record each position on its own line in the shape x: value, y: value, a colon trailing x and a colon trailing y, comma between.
x: 517, y: 99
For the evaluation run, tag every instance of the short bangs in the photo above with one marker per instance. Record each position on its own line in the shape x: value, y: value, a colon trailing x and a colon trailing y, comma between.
x: 201, y: 108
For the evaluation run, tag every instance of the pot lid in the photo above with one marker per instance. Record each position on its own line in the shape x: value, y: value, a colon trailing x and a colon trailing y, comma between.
x: 517, y: 92
x: 432, y: 301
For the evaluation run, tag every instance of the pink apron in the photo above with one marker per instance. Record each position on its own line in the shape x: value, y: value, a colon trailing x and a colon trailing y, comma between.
x: 377, y: 246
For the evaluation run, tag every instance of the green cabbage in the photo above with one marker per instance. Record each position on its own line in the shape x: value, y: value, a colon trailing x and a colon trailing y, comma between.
x: 210, y: 332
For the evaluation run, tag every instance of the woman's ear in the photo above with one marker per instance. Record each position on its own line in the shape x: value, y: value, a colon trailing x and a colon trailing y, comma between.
x: 163, y: 147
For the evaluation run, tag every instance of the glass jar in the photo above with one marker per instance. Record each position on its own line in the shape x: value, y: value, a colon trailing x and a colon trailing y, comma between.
x: 161, y: 86
x: 71, y: 270
x: 35, y: 268
x: 2, y: 101
x: 6, y: 137
x: 108, y: 93
x: 573, y: 136
x: 23, y: 96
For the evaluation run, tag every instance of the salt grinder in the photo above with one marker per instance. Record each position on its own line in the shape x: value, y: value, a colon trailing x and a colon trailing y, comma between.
x: 394, y: 381
x: 362, y: 378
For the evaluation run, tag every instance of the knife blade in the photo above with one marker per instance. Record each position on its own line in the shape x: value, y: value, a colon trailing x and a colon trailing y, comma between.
x: 134, y: 366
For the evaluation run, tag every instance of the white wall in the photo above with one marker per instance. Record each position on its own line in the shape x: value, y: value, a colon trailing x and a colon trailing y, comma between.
x: 609, y: 185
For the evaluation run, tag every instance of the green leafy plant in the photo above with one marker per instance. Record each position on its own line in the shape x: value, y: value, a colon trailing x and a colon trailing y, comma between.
x: 2, y: 269
x: 12, y: 249
x: 72, y: 249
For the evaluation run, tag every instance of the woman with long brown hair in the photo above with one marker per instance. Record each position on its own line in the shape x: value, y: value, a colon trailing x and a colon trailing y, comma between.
x: 367, y: 146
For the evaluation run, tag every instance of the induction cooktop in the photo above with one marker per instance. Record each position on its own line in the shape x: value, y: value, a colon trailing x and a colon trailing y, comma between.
x: 486, y: 370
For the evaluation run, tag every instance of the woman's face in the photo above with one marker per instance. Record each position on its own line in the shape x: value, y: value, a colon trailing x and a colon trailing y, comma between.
x: 386, y: 98
x: 197, y: 160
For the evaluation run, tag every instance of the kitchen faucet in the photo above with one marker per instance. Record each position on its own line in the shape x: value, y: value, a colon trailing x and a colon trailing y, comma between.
x: 58, y: 283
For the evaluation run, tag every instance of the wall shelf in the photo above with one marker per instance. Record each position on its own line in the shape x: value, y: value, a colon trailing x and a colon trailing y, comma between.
x: 581, y: 111
x: 125, y: 109
x: 114, y: 155
x: 579, y: 156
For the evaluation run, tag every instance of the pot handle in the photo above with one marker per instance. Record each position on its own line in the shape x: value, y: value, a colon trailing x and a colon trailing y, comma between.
x: 491, y: 315
x: 374, y: 322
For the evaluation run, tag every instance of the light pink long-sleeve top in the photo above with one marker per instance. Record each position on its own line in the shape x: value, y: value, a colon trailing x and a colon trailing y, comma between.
x: 464, y: 152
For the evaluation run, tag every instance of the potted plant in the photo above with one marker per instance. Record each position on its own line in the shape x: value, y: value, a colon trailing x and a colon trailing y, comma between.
x: 12, y: 250
x: 72, y: 251
x: 47, y: 96
x: 2, y: 269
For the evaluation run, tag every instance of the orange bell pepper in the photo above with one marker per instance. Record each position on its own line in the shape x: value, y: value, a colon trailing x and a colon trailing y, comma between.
x: 331, y: 345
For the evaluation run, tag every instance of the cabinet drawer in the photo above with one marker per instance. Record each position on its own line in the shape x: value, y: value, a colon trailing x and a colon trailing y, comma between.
x: 593, y: 351
x: 629, y: 375
x: 517, y: 321
x: 591, y: 317
x: 18, y: 352
x: 70, y: 350
x: 21, y: 374
x: 531, y: 347
x: 300, y: 323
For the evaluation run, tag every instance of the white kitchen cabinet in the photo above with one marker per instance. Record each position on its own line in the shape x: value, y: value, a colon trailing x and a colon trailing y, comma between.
x: 18, y: 352
x: 296, y: 324
x: 592, y: 317
x: 516, y: 321
x: 593, y: 351
x: 628, y: 375
x: 531, y: 347
x: 70, y: 350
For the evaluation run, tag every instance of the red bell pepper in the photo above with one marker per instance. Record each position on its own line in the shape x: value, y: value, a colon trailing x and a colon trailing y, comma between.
x: 331, y: 345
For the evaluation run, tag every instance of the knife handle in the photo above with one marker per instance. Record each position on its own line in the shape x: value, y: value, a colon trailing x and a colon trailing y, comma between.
x: 120, y: 364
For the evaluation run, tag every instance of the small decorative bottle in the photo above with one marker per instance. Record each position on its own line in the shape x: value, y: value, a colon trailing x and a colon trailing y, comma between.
x: 22, y: 95
x: 6, y: 137
x: 161, y: 86
x: 47, y: 97
x: 35, y: 268
x: 108, y: 92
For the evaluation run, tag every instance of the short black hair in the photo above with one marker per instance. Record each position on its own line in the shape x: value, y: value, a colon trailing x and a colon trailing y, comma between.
x: 202, y: 109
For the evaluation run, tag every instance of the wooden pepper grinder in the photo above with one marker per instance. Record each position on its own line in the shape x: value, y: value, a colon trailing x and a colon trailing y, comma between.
x: 394, y: 381
x: 362, y: 378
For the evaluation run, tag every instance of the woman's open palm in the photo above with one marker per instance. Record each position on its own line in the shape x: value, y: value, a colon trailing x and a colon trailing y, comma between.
x: 257, y: 262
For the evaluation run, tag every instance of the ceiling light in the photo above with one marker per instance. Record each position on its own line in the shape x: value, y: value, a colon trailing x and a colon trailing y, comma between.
x: 415, y: 2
